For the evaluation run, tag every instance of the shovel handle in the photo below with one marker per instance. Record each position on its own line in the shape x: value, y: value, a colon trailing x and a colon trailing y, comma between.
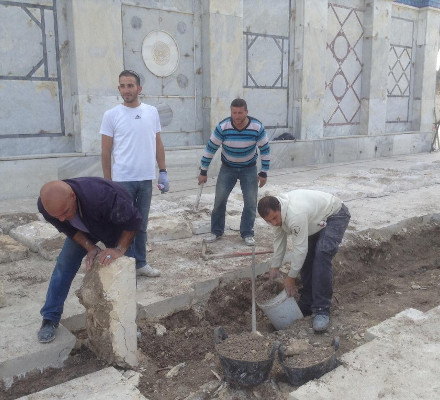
x: 254, y: 313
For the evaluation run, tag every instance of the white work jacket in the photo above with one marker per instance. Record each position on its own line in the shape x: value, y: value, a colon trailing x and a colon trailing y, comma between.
x: 303, y: 213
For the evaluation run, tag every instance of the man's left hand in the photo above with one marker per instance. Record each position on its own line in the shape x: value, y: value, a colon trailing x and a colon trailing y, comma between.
x: 289, y: 286
x: 261, y: 181
x: 163, y: 180
x: 108, y: 255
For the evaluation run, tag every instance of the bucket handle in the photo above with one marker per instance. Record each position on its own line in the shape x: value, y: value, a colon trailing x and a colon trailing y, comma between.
x: 219, y: 335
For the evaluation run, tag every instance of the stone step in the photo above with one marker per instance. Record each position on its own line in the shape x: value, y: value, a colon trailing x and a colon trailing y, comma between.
x: 20, y: 351
x: 399, y: 361
x: 105, y: 384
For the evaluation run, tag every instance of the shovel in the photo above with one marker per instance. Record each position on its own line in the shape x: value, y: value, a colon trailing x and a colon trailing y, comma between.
x: 196, y: 204
x: 254, y: 313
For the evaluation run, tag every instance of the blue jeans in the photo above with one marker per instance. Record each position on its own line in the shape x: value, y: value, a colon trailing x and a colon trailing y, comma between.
x: 227, y: 178
x: 317, y: 272
x: 66, y: 267
x: 140, y: 192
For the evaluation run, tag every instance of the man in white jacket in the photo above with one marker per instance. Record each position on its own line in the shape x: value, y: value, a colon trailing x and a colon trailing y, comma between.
x: 317, y: 222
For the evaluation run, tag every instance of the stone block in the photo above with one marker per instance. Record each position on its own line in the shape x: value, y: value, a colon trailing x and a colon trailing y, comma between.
x: 33, y: 234
x: 50, y: 248
x: 11, y: 250
x: 200, y: 227
x: 9, y: 221
x: 109, y: 295
x: 162, y: 228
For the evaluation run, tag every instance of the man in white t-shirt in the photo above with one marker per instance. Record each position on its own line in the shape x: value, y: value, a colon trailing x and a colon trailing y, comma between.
x: 316, y: 221
x: 131, y: 133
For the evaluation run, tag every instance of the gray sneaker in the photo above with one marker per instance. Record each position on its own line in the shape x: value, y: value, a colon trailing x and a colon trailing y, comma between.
x: 212, y: 237
x: 148, y: 270
x: 321, y: 322
x: 249, y: 240
x: 47, y: 331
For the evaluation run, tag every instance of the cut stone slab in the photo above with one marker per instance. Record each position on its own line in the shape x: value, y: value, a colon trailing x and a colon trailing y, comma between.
x: 108, y: 293
x: 9, y: 221
x: 33, y: 234
x: 105, y: 384
x: 393, y: 326
x: 20, y: 351
x: 162, y: 228
x: 11, y: 250
x: 50, y: 248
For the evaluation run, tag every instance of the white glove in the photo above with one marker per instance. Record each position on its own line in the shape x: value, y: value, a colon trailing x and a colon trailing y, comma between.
x: 163, y: 182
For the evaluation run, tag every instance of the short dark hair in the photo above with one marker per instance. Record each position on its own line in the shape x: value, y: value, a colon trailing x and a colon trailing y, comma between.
x: 239, y: 103
x: 129, y: 72
x: 267, y: 204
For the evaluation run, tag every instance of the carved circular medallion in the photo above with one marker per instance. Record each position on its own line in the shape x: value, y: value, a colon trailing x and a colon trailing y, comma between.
x: 160, y: 53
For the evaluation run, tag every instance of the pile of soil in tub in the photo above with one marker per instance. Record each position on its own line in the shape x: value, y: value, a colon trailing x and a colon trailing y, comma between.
x: 300, y: 353
x: 246, y: 346
x: 267, y: 290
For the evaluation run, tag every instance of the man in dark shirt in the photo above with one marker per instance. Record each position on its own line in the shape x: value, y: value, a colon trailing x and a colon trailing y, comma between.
x: 87, y: 210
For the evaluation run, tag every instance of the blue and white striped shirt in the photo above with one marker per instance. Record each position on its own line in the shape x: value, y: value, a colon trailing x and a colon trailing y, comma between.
x: 239, y: 148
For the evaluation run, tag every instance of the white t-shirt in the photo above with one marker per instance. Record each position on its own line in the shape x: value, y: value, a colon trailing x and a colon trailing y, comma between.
x: 134, y: 141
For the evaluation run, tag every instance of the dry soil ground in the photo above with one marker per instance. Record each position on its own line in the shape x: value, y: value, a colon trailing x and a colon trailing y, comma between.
x: 376, y: 276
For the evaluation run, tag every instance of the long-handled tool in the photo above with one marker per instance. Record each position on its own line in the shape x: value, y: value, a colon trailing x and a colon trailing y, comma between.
x: 254, y: 312
x: 199, y: 195
x: 207, y: 256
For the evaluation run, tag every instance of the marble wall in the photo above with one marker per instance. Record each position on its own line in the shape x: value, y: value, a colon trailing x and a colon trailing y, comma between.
x: 348, y: 78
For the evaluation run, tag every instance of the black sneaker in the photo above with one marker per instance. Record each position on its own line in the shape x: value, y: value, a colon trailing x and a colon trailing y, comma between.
x: 47, y: 331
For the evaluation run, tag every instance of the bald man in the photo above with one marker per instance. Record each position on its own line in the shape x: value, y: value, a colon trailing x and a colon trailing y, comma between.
x: 87, y: 211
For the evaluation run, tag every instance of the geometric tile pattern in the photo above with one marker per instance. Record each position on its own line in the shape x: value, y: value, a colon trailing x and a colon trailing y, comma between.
x: 399, y: 70
x: 399, y: 82
x: 35, y: 24
x: 266, y: 61
x: 343, y: 66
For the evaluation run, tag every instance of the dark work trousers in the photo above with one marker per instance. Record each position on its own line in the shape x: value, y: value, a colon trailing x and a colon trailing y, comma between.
x: 317, y: 272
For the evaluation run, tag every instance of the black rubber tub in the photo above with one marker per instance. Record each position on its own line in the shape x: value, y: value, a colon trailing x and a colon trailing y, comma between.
x: 299, y: 376
x: 241, y: 373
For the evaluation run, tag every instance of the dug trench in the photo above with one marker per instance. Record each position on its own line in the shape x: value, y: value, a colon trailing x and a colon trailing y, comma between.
x: 377, y: 274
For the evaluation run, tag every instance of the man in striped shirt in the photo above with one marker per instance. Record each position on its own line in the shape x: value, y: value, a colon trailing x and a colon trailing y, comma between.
x: 239, y: 135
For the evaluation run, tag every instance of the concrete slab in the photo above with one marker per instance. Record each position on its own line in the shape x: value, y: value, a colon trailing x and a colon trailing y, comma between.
x: 20, y: 351
x: 403, y: 362
x: 102, y: 385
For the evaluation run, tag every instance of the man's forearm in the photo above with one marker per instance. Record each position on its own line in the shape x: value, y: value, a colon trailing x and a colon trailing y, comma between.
x: 160, y: 153
x: 83, y: 240
x: 106, y: 166
x: 125, y: 241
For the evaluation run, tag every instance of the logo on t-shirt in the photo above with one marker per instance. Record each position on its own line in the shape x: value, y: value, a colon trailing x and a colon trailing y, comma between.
x: 296, y: 230
x: 137, y: 117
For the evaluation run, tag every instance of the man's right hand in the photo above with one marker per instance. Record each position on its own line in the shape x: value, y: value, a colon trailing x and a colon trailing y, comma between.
x: 91, y: 255
x: 202, y: 179
x: 289, y: 286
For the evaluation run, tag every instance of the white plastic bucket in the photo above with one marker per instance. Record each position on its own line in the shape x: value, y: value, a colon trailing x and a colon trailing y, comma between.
x: 281, y: 310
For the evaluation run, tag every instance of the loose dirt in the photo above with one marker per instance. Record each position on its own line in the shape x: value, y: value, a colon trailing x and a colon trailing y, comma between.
x: 377, y: 275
